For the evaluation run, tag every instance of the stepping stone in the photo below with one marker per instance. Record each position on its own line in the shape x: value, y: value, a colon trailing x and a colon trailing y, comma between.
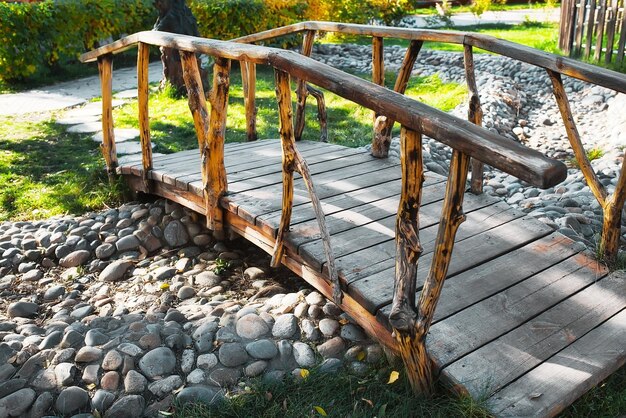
x: 126, y: 148
x: 121, y: 135
x: 77, y: 120
x: 86, y: 127
x: 126, y: 94
x: 91, y: 109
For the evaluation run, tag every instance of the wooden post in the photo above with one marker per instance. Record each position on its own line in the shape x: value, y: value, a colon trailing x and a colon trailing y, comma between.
x: 600, y: 31
x: 590, y: 27
x: 301, y: 89
x: 293, y: 161
x: 248, y: 81
x: 210, y: 131
x: 474, y: 115
x: 287, y: 139
x: 610, y: 32
x: 322, y: 116
x: 560, y: 95
x: 403, y: 316
x: 612, y: 223
x: 622, y: 38
x: 143, y: 59
x: 579, y: 27
x: 105, y: 68
x: 568, y: 11
x: 383, y: 125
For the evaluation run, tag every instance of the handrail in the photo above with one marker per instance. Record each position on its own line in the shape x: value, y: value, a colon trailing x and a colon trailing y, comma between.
x: 482, y: 144
x: 564, y: 65
x: 410, y: 322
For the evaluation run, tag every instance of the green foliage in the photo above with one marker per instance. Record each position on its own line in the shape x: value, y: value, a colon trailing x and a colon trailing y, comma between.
x: 221, y: 265
x: 388, y: 12
x: 37, y: 38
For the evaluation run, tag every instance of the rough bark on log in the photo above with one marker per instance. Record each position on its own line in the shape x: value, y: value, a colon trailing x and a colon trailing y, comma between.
x: 383, y: 125
x: 143, y: 59
x: 248, y: 78
x: 105, y: 68
x: 301, y: 89
x: 474, y: 115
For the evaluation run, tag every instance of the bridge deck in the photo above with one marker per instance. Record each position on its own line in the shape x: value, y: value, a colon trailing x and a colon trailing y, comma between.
x: 525, y: 319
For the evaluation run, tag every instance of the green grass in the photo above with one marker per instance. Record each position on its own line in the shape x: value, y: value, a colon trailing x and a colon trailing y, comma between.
x: 336, y: 395
x: 45, y: 171
x: 431, y: 10
x: 348, y: 123
x: 543, y: 36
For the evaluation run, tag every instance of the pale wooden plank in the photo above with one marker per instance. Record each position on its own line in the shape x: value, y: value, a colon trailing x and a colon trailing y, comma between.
x: 500, y: 362
x: 556, y: 383
x: 471, y: 286
x: 481, y: 246
x: 487, y: 320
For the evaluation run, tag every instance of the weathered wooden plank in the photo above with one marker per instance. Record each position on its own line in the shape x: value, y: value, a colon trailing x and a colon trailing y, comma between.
x: 610, y: 32
x: 482, y: 245
x: 600, y: 31
x: 622, y: 37
x: 246, y: 201
x: 510, y: 308
x: 498, y: 363
x: 556, y: 383
x: 473, y: 285
x: 372, y: 216
x: 590, y: 27
x: 380, y: 225
x: 578, y: 38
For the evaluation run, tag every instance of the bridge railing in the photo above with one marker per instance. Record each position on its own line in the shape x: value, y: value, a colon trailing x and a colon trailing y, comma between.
x: 410, y: 321
x: 555, y: 66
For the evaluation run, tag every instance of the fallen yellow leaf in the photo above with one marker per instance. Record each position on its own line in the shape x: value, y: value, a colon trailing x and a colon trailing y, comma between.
x: 304, y: 373
x: 320, y: 411
x: 360, y: 356
x: 164, y: 286
x: 393, y: 376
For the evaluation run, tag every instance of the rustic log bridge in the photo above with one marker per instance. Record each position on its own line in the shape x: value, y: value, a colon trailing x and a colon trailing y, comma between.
x: 411, y: 321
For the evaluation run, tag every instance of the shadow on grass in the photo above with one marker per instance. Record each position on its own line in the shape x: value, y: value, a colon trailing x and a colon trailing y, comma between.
x: 335, y: 395
x: 46, y: 171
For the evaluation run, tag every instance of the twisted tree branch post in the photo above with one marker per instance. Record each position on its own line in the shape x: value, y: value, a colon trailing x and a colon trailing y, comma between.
x: 105, y: 69
x: 474, y: 115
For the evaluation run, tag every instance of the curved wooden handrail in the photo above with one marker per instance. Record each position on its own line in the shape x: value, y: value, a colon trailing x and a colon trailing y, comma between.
x: 477, y: 142
x: 564, y: 65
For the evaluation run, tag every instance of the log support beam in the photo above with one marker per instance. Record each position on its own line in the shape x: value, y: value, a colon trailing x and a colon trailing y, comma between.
x: 474, y: 115
x: 105, y: 69
x: 411, y: 323
x: 143, y: 94
x: 292, y: 161
x: 611, y: 205
x: 248, y: 79
x: 210, y: 131
x: 383, y: 125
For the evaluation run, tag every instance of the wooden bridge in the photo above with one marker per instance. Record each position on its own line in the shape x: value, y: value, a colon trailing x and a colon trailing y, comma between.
x: 524, y: 317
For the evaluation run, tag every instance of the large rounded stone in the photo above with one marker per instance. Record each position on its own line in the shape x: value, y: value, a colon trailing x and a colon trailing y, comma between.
x: 75, y: 259
x: 17, y: 403
x: 130, y: 406
x: 105, y: 250
x: 232, y: 354
x: 175, y: 234
x: 72, y: 400
x: 162, y: 387
x: 102, y: 400
x: 332, y: 348
x: 159, y: 362
x: 251, y: 326
x: 285, y: 326
x: 304, y: 355
x: 127, y: 243
x: 262, y: 349
x: 207, y: 279
x: 115, y: 271
x: 23, y: 309
x: 134, y: 382
x: 207, y: 395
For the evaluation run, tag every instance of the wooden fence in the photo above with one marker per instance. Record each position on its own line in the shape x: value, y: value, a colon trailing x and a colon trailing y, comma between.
x: 595, y: 27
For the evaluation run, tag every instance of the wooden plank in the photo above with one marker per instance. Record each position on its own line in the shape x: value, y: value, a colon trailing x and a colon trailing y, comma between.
x: 482, y: 245
x: 566, y: 376
x: 590, y: 28
x: 600, y: 31
x: 510, y: 308
x: 258, y: 193
x: 610, y: 32
x: 363, y: 215
x: 495, y: 365
x: 105, y: 69
x: 622, y: 38
x: 380, y: 226
x: 578, y: 39
x: 476, y: 284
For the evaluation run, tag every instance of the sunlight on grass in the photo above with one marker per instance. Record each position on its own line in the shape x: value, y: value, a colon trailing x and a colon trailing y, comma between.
x: 45, y: 171
x: 349, y: 124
